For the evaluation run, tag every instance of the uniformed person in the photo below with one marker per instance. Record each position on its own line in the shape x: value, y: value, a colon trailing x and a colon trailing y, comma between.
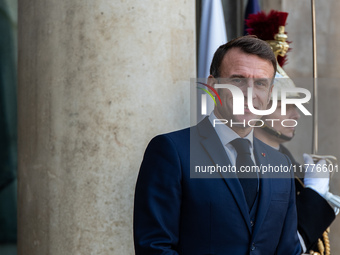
x: 314, y: 213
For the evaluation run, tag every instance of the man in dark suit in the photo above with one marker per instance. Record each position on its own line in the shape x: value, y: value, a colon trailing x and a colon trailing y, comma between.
x: 181, y: 208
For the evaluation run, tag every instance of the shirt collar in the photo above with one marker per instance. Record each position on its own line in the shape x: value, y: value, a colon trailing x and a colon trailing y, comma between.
x: 226, y: 134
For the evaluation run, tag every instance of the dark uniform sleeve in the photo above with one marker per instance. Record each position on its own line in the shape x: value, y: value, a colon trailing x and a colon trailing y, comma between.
x: 315, y: 215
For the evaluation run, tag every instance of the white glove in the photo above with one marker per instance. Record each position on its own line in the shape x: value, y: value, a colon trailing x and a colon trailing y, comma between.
x: 316, y: 175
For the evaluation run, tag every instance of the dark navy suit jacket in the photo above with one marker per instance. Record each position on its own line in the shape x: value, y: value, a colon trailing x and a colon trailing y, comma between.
x: 176, y: 214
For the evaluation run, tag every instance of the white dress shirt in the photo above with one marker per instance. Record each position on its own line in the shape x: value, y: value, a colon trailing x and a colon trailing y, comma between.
x: 226, y: 135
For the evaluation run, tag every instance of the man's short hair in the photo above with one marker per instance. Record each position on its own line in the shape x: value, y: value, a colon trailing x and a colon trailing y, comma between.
x: 248, y: 44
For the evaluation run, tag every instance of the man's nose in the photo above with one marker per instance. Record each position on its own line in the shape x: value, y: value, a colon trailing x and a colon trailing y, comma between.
x: 249, y: 83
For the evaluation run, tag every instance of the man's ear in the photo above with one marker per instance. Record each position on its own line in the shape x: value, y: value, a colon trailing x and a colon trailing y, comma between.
x: 211, y: 81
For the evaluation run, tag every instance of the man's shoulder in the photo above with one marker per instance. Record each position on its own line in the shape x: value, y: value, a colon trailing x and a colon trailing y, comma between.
x: 177, y: 140
x: 175, y: 136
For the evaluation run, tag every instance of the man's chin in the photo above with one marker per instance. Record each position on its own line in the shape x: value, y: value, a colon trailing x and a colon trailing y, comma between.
x: 289, y: 136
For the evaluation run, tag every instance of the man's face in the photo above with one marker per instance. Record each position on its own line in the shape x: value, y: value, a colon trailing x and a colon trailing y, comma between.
x: 292, y: 113
x: 244, y: 70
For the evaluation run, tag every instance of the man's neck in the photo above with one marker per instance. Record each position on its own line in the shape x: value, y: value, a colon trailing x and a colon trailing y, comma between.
x: 240, y: 130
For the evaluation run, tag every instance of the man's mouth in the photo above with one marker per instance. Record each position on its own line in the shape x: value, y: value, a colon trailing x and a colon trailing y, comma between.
x: 246, y: 108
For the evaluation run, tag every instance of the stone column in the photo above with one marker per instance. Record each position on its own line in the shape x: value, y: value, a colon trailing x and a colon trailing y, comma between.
x: 97, y: 80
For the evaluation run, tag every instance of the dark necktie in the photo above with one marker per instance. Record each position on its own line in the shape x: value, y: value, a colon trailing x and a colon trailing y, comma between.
x: 248, y: 180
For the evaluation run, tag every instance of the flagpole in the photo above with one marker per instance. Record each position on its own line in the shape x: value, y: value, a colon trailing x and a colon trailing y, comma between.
x: 315, y: 86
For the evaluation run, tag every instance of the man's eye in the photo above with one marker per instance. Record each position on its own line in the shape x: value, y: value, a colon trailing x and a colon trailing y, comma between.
x: 260, y: 83
x: 236, y: 80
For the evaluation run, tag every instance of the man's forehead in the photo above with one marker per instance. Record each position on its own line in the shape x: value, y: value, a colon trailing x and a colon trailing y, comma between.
x: 240, y: 64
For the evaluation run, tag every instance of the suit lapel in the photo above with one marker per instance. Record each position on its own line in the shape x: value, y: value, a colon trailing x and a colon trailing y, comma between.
x: 215, y: 150
x: 265, y: 186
